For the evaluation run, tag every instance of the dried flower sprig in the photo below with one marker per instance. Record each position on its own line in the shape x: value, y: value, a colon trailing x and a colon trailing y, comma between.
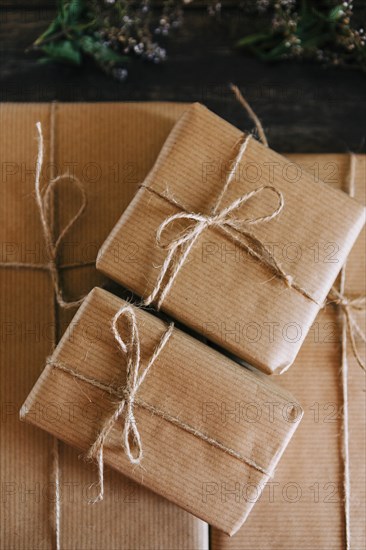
x: 305, y: 29
x: 112, y: 31
x: 108, y: 31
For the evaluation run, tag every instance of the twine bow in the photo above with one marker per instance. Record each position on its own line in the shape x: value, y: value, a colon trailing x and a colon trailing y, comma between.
x: 43, y: 200
x: 130, y: 435
x: 350, y: 307
x: 234, y: 228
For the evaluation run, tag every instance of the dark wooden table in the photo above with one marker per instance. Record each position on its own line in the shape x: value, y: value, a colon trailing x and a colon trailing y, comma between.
x: 303, y: 106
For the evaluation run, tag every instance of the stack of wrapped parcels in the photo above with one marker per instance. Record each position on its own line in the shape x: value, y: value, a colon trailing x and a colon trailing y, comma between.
x: 157, y: 410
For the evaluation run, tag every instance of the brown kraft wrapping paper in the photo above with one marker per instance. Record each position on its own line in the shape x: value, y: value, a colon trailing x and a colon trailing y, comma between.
x: 110, y: 147
x: 220, y: 291
x: 187, y: 455
x: 131, y: 516
x: 307, y: 489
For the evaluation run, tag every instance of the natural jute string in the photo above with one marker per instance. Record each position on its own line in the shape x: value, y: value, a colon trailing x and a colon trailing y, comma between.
x: 56, y: 513
x: 127, y: 400
x: 234, y: 228
x: 45, y: 203
x: 132, y: 351
x: 243, y: 102
x: 350, y: 329
x: 350, y: 308
x: 55, y: 454
x: 43, y: 200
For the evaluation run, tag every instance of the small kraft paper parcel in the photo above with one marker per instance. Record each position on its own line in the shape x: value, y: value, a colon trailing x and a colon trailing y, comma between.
x: 233, y: 240
x: 163, y: 404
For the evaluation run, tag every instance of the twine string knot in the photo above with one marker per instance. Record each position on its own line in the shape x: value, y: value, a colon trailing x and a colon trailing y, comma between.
x: 350, y: 307
x: 131, y: 439
x: 234, y: 227
x: 44, y: 203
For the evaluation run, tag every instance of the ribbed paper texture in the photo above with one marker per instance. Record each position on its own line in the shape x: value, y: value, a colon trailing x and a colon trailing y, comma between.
x: 304, y: 507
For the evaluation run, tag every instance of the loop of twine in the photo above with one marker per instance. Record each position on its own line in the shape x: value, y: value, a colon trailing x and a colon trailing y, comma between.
x: 350, y: 308
x: 43, y: 203
x: 179, y: 247
x: 43, y: 200
x: 126, y: 404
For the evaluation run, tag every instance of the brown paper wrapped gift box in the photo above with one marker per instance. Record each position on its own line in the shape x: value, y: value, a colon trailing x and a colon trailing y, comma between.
x: 233, y: 298
x: 110, y: 147
x: 187, y: 450
x: 308, y: 486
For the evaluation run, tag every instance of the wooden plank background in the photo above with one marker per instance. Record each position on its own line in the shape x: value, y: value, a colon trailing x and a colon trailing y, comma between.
x: 304, y: 106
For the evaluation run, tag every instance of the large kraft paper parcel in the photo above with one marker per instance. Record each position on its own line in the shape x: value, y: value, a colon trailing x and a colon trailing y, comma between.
x: 187, y: 453
x: 220, y: 290
x: 307, y: 489
x: 110, y: 147
x: 130, y: 516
